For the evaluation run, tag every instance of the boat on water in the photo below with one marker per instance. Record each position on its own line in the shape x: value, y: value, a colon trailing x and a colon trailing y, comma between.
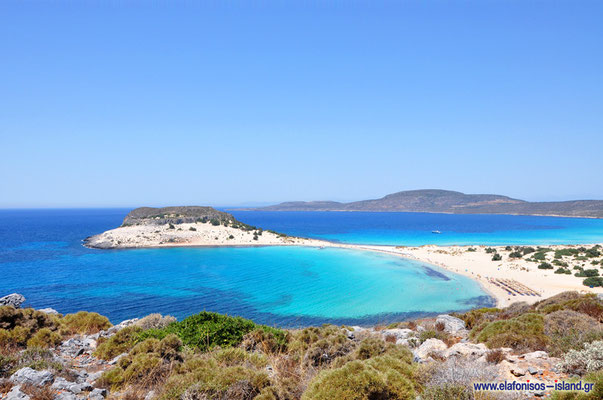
x: 438, y: 232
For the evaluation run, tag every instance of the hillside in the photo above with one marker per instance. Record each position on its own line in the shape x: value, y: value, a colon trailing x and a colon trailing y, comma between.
x: 446, y: 201
x: 540, y: 348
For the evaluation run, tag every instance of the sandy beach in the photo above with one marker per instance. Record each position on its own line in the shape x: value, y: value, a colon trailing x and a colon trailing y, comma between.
x: 479, y: 266
x: 472, y: 261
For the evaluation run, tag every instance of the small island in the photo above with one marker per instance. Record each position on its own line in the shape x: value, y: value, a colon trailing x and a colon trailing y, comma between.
x: 186, y: 226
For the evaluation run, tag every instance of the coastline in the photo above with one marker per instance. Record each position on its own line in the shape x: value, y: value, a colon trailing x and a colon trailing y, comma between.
x: 476, y: 264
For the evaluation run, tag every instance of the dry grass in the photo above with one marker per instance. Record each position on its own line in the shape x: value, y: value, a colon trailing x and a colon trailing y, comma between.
x: 5, y: 386
x: 495, y: 356
x: 38, y: 392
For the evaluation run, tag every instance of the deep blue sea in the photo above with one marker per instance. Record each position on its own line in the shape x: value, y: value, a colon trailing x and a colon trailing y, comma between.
x: 41, y: 256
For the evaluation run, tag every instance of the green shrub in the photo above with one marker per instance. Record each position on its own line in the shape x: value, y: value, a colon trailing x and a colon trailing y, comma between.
x: 587, y: 273
x: 570, y: 330
x: 516, y: 254
x: 192, y: 228
x: 539, y: 256
x: 475, y: 317
x: 496, y: 257
x: 207, y: 330
x: 490, y: 250
x: 86, y: 322
x: 525, y: 332
x: 595, y: 394
x: 222, y: 374
x: 119, y: 343
x: 563, y: 271
x: 593, y: 281
x: 44, y: 338
x: 545, y: 265
x: 383, y: 377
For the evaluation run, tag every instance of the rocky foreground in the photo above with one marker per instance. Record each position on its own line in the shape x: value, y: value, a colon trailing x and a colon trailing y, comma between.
x: 44, y: 355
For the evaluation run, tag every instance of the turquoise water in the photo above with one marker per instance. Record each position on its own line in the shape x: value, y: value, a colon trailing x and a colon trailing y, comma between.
x: 42, y: 257
x: 415, y: 229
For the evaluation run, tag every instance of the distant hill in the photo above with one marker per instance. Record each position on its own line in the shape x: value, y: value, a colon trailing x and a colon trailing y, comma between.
x: 446, y: 201
x: 174, y: 215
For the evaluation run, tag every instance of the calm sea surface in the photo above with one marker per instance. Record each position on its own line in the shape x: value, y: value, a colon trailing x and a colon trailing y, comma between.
x: 42, y: 257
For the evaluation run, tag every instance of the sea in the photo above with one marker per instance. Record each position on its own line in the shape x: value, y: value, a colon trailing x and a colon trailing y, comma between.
x: 42, y: 257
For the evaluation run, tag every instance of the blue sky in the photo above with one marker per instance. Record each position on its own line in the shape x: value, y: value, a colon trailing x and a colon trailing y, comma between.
x: 167, y: 103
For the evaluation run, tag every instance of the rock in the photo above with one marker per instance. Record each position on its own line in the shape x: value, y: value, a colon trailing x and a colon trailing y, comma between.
x: 13, y: 299
x: 16, y: 394
x: 32, y: 377
x: 92, y: 376
x: 65, y: 396
x: 532, y: 370
x: 397, y: 333
x: 430, y: 346
x: 535, y: 355
x: 518, y: 371
x: 73, y: 387
x: 115, y: 328
x: 49, y: 310
x: 149, y: 395
x: 466, y: 349
x: 98, y: 394
x: 452, y: 324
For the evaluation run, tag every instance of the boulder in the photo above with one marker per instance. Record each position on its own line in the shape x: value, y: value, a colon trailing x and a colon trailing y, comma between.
x: 397, y: 333
x: 98, y: 394
x: 13, y: 299
x: 63, y: 384
x: 452, y: 324
x: 16, y: 394
x: 32, y: 377
x: 466, y: 349
x: 430, y: 346
x: 535, y: 355
x: 518, y: 371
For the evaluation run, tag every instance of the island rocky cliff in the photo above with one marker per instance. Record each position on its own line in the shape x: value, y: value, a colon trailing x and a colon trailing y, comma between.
x: 185, y: 226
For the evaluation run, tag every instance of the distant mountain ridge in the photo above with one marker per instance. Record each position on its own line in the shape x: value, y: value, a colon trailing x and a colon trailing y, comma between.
x: 447, y: 201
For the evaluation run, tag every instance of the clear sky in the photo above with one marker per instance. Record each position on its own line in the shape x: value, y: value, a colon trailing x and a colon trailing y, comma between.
x: 127, y: 103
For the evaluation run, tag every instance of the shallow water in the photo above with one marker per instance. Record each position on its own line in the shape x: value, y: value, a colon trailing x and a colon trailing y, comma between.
x: 415, y: 229
x: 42, y: 257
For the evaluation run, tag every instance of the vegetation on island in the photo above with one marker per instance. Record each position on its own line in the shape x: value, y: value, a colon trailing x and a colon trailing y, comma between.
x: 580, y: 261
x: 214, y: 356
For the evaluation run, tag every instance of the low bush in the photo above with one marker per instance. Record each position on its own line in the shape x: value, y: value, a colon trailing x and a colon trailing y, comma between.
x: 568, y: 329
x: 121, y: 342
x: 220, y: 374
x: 596, y: 394
x: 207, y: 330
x: 44, y: 338
x: 522, y: 333
x: 155, y: 321
x: 382, y: 377
x: 590, y: 359
x: 86, y: 322
x: 515, y: 254
x: 545, y: 265
x: 475, y: 317
x: 593, y: 281
x: 587, y: 273
x: 563, y: 271
x: 496, y: 257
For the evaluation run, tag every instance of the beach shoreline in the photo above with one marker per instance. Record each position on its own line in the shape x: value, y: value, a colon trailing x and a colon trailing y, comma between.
x: 474, y: 262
